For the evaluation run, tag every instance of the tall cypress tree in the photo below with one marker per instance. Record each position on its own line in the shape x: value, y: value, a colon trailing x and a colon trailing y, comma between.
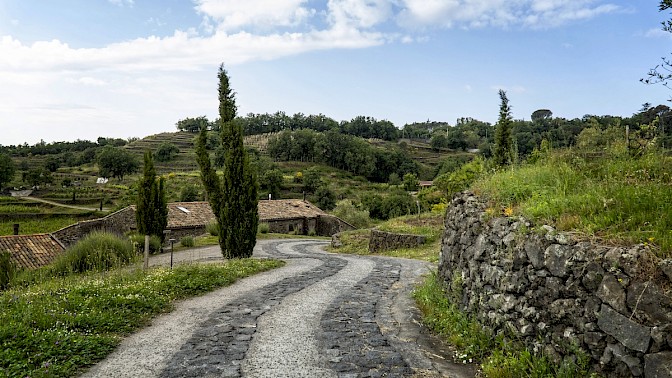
x: 233, y: 198
x: 503, y: 150
x: 152, y: 207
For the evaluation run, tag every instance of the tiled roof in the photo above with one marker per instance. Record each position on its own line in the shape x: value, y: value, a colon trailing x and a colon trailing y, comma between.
x: 284, y: 209
x: 31, y: 251
x: 189, y: 214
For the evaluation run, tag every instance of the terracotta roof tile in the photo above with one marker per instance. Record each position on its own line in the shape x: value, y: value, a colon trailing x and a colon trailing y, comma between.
x: 190, y: 214
x: 31, y: 251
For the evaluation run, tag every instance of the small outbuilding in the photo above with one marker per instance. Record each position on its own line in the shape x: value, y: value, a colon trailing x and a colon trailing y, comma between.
x: 31, y: 251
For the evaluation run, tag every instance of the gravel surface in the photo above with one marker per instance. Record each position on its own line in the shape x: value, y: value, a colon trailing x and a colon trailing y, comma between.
x: 322, y: 315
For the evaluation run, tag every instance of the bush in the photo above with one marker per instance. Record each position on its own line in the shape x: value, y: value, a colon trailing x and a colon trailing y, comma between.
x: 7, y: 270
x: 326, y: 199
x: 139, y: 243
x: 97, y: 251
x: 189, y: 193
x: 347, y: 211
x: 264, y: 228
x: 212, y: 228
x: 187, y: 241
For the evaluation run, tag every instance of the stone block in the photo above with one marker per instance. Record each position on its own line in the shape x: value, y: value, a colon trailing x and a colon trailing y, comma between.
x: 611, y: 292
x: 631, y: 334
x: 658, y: 365
x: 557, y: 259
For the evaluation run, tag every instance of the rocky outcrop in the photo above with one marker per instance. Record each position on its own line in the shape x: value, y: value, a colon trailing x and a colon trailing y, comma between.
x: 556, y: 294
x: 381, y: 240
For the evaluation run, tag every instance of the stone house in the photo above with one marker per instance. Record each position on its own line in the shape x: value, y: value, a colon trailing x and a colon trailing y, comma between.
x: 191, y: 218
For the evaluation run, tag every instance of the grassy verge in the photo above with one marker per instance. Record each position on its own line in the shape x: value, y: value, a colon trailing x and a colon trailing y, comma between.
x: 616, y: 197
x: 429, y: 224
x: 498, y: 356
x: 57, y: 327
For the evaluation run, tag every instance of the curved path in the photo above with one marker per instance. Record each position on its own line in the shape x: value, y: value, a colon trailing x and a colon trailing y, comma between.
x: 322, y: 315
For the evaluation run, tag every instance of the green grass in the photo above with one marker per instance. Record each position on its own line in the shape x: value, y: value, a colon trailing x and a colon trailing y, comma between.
x: 58, y: 327
x: 429, y: 224
x: 19, y: 209
x: 36, y: 226
x: 499, y: 357
x: 617, y: 198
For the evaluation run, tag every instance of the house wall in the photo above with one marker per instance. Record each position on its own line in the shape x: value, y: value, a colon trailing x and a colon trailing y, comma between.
x: 119, y: 223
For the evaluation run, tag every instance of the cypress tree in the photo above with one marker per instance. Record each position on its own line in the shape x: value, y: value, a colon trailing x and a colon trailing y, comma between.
x: 233, y: 198
x: 151, y: 213
x: 503, y: 150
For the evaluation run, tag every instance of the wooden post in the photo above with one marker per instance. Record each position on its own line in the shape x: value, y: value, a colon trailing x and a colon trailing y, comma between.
x: 146, y: 264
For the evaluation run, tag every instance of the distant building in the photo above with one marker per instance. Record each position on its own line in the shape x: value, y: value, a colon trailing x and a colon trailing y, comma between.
x: 191, y: 218
x: 31, y: 251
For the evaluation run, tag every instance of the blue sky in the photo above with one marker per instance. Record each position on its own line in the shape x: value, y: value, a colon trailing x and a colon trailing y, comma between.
x: 80, y: 69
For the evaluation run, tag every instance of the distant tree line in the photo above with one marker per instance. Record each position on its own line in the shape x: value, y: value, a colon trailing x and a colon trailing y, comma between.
x: 253, y: 124
x: 341, y: 151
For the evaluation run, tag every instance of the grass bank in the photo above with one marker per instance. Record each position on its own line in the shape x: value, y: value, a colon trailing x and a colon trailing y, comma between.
x: 429, y: 225
x: 612, y: 196
x: 499, y: 357
x: 59, y: 326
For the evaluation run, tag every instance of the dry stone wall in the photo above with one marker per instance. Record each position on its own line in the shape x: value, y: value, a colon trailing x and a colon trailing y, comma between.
x: 381, y: 240
x: 556, y: 294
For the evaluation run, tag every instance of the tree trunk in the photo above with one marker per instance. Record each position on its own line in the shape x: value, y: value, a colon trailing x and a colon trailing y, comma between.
x: 146, y: 264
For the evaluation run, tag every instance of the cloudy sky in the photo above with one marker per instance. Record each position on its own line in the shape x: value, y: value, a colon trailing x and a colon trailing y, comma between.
x: 80, y: 69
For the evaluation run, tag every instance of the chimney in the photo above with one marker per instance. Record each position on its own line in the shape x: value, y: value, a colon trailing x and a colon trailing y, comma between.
x: 16, y: 228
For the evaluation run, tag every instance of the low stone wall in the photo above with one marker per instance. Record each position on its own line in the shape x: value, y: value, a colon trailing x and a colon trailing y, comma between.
x: 381, y: 240
x: 119, y: 223
x: 555, y: 294
x: 328, y: 225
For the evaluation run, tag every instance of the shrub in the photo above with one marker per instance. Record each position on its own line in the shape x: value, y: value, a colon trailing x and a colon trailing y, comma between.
x: 187, y: 241
x: 139, y: 243
x: 97, y: 251
x: 212, y: 228
x: 7, y: 270
x: 189, y: 193
x: 347, y: 211
x: 264, y: 228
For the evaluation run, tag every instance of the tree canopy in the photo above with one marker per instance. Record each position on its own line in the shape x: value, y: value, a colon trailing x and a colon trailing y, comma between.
x: 116, y: 162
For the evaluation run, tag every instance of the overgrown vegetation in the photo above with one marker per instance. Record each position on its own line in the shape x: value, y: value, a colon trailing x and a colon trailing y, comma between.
x: 60, y: 326
x: 611, y: 194
x: 498, y: 356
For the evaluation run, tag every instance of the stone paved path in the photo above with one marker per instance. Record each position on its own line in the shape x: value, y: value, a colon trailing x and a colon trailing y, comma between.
x: 322, y: 315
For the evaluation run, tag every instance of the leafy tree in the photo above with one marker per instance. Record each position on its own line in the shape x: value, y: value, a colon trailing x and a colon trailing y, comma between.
x: 233, y: 198
x: 326, y: 199
x: 166, y: 151
x: 397, y: 204
x: 272, y: 181
x: 52, y: 164
x: 37, y: 176
x: 7, y: 169
x: 152, y: 207
x: 503, y: 151
x: 189, y: 193
x: 311, y: 179
x: 541, y: 115
x: 192, y: 125
x: 116, y: 162
x: 662, y: 73
x: 411, y: 182
x: 438, y: 142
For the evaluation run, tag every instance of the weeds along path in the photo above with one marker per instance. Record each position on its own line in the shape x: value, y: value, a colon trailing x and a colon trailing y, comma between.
x: 322, y: 315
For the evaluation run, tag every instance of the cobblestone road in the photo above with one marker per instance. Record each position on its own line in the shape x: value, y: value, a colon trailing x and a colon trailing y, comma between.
x: 322, y: 315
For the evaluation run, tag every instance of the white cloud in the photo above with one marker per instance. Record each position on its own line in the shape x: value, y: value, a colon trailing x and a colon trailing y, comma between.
x: 657, y: 33
x: 500, y: 13
x: 231, y: 15
x: 121, y: 3
x: 359, y: 13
